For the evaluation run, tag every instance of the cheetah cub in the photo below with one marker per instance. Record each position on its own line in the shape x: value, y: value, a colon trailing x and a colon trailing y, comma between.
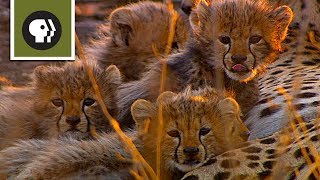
x: 59, y: 101
x: 291, y: 153
x: 196, y: 125
x: 134, y: 29
x: 232, y: 40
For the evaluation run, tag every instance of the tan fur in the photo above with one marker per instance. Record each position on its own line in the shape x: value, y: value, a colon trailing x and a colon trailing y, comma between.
x: 189, y: 113
x: 207, y: 61
x: 30, y: 112
x: 134, y: 29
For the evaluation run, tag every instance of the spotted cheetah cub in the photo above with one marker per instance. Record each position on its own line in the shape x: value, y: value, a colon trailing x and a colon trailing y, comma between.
x: 60, y: 100
x: 134, y: 29
x: 196, y: 125
x: 288, y: 154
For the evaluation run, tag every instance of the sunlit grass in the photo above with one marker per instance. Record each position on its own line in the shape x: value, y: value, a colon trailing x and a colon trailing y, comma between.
x: 163, y: 84
x: 135, y: 154
x: 313, y: 40
x: 4, y: 81
x: 142, y: 169
x: 296, y: 120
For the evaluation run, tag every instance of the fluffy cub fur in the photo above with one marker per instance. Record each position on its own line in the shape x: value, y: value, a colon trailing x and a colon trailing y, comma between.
x: 134, y: 29
x: 232, y: 41
x: 196, y: 125
x: 60, y: 100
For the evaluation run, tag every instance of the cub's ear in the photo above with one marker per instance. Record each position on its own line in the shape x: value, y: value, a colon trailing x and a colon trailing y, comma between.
x: 228, y: 106
x: 122, y: 26
x: 166, y: 96
x: 141, y: 111
x: 112, y: 75
x: 281, y: 18
x: 230, y: 113
x: 199, y: 15
x: 41, y: 74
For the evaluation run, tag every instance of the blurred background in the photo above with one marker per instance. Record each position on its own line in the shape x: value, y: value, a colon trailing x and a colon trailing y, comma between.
x: 89, y: 15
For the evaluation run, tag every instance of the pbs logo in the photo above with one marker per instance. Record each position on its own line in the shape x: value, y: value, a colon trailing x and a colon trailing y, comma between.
x: 41, y: 30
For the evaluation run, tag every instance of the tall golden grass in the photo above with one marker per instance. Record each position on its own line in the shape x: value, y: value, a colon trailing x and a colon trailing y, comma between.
x: 142, y: 169
x: 141, y: 166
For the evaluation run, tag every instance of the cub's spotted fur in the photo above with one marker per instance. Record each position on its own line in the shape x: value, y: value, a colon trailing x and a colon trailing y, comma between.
x: 60, y: 100
x: 134, y: 29
x: 279, y: 156
x: 196, y: 125
x: 231, y: 41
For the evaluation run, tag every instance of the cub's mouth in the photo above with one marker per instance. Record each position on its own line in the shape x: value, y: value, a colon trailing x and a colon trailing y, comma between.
x: 191, y: 162
x: 239, y: 72
x: 240, y: 68
x: 73, y: 130
x: 188, y: 164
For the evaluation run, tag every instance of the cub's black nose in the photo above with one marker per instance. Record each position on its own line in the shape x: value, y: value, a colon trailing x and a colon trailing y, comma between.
x: 238, y: 58
x: 73, y: 120
x: 191, y: 151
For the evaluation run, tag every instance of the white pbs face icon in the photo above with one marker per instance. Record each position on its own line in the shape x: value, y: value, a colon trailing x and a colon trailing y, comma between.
x: 39, y: 29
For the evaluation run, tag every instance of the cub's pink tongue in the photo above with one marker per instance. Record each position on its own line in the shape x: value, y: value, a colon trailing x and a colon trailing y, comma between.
x: 239, y: 68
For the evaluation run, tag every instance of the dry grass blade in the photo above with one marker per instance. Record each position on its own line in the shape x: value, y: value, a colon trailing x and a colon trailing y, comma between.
x: 163, y: 61
x: 4, y: 81
x: 313, y: 40
x: 297, y: 135
x: 261, y: 68
x: 113, y: 122
x: 162, y: 83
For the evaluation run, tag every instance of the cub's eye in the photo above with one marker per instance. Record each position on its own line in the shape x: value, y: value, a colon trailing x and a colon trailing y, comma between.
x: 173, y: 133
x: 254, y: 39
x: 225, y: 39
x: 57, y: 102
x: 88, y: 102
x: 174, y: 45
x: 204, y: 131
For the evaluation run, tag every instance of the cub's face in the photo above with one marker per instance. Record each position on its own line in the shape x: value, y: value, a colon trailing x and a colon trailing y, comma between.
x: 192, y: 135
x: 241, y: 36
x: 192, y: 130
x: 185, y: 141
x: 242, y: 50
x: 72, y: 112
x: 67, y: 101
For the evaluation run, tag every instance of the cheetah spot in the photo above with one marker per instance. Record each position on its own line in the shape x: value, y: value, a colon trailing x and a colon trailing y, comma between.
x: 251, y: 150
x: 268, y: 141
x: 222, y: 175
x: 192, y: 177
x: 230, y: 163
